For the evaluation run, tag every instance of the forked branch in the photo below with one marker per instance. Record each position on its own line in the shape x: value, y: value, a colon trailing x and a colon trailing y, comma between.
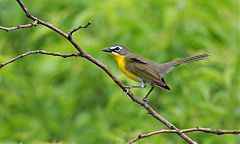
x: 199, y: 129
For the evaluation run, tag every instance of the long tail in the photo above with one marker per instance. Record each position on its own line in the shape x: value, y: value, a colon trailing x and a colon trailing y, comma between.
x: 190, y: 59
x: 165, y: 68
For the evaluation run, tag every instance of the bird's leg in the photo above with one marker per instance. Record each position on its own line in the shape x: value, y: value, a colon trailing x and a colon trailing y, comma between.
x: 143, y: 85
x: 145, y: 98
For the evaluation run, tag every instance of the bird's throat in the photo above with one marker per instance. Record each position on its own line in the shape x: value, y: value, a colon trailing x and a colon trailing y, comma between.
x: 122, y: 66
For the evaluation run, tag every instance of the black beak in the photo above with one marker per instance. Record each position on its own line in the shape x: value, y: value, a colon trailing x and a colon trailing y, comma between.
x: 107, y: 50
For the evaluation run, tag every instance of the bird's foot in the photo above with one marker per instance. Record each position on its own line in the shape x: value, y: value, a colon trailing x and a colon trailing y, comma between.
x: 145, y: 99
x: 145, y: 102
x: 127, y: 88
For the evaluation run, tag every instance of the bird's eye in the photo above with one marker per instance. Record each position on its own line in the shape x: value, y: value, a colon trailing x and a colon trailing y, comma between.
x: 117, y: 49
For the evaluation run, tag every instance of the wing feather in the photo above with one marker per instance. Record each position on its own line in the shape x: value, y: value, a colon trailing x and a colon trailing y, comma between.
x: 145, y: 70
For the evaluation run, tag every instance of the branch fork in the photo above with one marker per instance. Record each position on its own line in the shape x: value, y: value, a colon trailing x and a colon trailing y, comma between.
x: 70, y: 33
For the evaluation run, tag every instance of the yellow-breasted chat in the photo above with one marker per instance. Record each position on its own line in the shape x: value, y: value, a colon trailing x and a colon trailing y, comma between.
x: 144, y: 70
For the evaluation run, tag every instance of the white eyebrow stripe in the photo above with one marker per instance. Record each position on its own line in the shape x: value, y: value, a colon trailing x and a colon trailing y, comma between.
x: 112, y: 47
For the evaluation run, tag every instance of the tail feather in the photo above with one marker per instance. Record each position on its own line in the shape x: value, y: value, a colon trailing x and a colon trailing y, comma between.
x: 190, y: 59
x: 165, y: 68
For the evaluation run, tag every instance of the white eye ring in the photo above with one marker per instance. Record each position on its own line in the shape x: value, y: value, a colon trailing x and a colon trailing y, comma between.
x: 117, y: 49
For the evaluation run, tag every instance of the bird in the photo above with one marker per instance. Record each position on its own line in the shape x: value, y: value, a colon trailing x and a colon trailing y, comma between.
x: 144, y: 70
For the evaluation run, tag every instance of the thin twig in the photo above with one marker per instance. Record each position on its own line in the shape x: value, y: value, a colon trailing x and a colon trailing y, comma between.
x: 213, y: 131
x: 205, y: 130
x: 34, y: 23
x: 70, y: 33
x: 38, y: 52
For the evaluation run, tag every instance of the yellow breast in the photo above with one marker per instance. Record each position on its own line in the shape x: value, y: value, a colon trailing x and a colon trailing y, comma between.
x: 122, y: 64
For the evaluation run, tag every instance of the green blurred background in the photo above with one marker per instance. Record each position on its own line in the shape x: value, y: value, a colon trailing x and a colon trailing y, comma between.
x: 51, y: 99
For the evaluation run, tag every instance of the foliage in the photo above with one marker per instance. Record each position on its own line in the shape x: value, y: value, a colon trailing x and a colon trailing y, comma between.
x: 48, y: 99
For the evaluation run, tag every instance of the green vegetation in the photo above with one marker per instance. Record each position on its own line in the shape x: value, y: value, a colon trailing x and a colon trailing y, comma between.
x: 49, y: 99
